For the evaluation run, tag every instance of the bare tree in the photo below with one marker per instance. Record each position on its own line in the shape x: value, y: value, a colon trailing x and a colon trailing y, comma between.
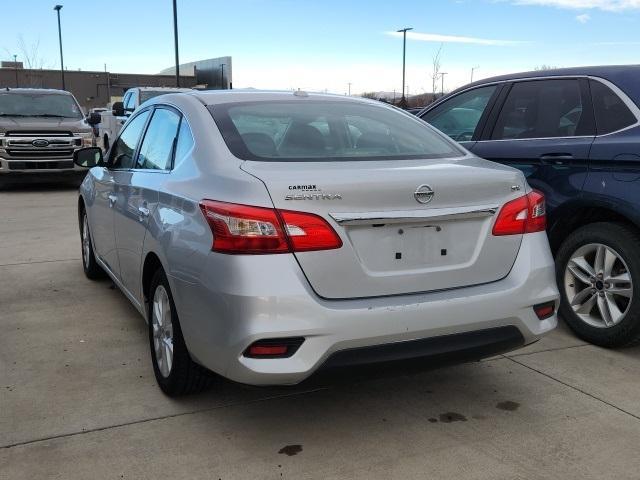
x: 31, y: 54
x: 544, y: 67
x: 435, y: 72
x: 372, y: 95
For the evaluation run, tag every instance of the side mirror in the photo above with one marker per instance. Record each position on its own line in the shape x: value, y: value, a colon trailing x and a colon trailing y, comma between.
x: 94, y: 119
x: 118, y: 109
x: 88, y: 157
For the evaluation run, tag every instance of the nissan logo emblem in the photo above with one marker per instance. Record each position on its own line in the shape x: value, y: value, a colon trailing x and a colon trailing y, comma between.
x: 40, y: 142
x: 423, y: 194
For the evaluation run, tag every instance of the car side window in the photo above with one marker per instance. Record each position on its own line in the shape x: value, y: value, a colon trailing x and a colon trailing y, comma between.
x: 543, y: 109
x: 611, y: 112
x: 124, y: 148
x: 156, y: 151
x: 459, y: 116
x: 185, y: 142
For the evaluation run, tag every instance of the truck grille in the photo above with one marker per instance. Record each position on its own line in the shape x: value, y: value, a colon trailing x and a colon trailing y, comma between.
x: 40, y: 153
x: 40, y: 144
x: 37, y: 133
x: 67, y: 164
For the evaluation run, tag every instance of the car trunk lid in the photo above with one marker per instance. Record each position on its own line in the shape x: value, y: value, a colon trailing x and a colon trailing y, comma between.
x: 393, y: 243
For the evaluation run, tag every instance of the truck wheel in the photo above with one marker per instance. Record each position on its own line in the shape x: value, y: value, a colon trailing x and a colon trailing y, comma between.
x: 175, y: 372
x: 598, y: 272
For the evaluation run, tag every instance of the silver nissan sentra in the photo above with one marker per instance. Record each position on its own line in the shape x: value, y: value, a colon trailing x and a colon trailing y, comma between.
x: 265, y: 236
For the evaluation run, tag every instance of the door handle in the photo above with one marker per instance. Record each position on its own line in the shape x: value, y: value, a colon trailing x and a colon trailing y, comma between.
x: 556, y: 158
x: 112, y: 200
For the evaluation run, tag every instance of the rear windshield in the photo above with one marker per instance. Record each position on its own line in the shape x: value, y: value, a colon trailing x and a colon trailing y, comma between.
x: 314, y: 130
x: 14, y: 104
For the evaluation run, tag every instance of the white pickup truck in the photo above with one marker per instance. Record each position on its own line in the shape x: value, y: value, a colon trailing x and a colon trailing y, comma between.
x: 112, y: 120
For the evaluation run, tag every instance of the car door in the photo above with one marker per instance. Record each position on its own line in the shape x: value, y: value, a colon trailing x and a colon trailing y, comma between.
x: 137, y: 192
x: 614, y: 167
x: 544, y: 128
x: 463, y: 116
x: 119, y: 165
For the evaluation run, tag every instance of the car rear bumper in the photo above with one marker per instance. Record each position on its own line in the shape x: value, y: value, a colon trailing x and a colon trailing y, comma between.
x: 240, y: 300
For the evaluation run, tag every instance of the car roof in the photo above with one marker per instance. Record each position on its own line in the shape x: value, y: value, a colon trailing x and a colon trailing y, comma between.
x: 40, y: 91
x: 624, y: 77
x: 161, y: 89
x: 214, y: 97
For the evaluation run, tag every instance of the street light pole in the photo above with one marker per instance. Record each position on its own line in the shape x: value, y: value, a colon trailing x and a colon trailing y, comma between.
x: 15, y: 67
x: 175, y: 39
x: 57, y: 8
x: 349, y: 88
x: 442, y: 76
x: 403, y: 100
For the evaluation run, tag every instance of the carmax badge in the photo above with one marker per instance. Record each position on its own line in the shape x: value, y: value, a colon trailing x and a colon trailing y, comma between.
x: 314, y: 196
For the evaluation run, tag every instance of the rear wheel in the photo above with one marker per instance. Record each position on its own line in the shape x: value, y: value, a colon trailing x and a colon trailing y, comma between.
x: 598, y: 272
x: 175, y: 372
x: 91, y: 268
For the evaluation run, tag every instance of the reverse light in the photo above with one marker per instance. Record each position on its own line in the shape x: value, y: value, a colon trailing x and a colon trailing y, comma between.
x: 245, y: 229
x: 526, y: 214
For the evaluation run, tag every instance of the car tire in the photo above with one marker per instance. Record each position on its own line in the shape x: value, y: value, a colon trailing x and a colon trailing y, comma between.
x: 176, y: 373
x: 598, y: 275
x: 90, y: 266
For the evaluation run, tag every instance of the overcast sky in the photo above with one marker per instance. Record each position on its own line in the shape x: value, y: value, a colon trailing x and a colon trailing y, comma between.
x: 318, y: 45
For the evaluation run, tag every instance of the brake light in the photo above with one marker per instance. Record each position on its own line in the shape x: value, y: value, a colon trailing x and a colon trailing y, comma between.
x: 525, y: 214
x: 244, y: 229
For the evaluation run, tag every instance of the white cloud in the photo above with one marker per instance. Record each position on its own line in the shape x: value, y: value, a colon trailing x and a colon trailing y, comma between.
x: 607, y: 5
x: 583, y: 18
x: 438, y: 38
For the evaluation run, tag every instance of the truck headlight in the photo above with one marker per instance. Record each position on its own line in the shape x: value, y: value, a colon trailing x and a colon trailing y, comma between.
x: 86, y: 139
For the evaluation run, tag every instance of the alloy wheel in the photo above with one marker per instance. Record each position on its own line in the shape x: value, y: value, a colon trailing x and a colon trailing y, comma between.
x: 162, y: 331
x: 598, y: 285
x: 86, y: 242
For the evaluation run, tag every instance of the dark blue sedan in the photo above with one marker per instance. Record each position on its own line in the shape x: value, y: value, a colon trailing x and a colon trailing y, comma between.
x: 575, y: 133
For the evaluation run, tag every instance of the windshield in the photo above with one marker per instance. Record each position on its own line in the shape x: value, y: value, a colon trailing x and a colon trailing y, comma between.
x: 147, y: 94
x: 38, y: 105
x: 324, y: 130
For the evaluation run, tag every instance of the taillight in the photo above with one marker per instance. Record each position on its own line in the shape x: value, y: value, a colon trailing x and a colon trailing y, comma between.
x: 245, y: 229
x: 525, y: 214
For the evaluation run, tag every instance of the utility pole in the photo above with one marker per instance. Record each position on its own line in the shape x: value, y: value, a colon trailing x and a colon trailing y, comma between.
x: 442, y: 76
x: 108, y: 83
x: 472, y: 69
x: 15, y: 67
x: 349, y: 84
x: 175, y: 40
x: 57, y: 8
x: 403, y: 100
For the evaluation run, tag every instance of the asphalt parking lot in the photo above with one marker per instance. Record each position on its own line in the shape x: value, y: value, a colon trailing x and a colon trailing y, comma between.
x: 78, y: 398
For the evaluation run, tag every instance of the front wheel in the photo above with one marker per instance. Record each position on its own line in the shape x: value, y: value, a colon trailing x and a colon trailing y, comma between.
x: 174, y: 370
x: 598, y: 272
